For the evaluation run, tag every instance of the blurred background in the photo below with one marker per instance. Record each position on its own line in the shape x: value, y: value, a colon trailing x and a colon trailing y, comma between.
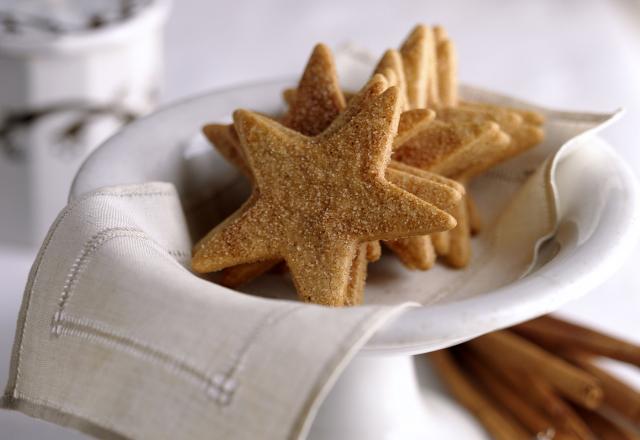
x: 566, y: 55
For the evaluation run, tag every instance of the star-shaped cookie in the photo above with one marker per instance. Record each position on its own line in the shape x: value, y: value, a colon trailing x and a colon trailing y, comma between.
x: 318, y: 198
x: 466, y: 138
x: 442, y: 192
x: 319, y: 102
x: 318, y: 97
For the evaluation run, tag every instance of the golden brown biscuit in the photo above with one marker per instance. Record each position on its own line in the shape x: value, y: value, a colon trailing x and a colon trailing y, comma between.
x: 391, y: 61
x: 288, y: 95
x: 415, y: 52
x: 236, y: 276
x: 374, y: 252
x: 420, y: 252
x: 243, y: 273
x: 441, y: 243
x: 464, y: 139
x: 411, y: 123
x: 440, y: 34
x: 318, y: 99
x: 414, y: 60
x: 506, y: 119
x: 444, y: 196
x: 524, y: 134
x: 475, y: 220
x: 312, y: 107
x: 427, y: 175
x: 448, y: 148
x: 461, y: 143
x: 431, y: 189
x: 368, y: 252
x: 420, y: 64
x: 523, y: 126
x: 447, y: 69
x: 354, y: 294
x: 528, y: 116
x: 312, y: 206
x: 433, y: 88
x: 414, y: 252
x: 226, y: 141
x: 491, y: 145
x: 452, y: 149
x: 459, y: 239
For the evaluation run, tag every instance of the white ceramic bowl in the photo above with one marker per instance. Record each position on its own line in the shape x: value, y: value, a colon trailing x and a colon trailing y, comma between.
x: 596, y: 233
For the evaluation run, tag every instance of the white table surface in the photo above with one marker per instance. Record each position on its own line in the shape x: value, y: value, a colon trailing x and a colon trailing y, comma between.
x: 569, y: 55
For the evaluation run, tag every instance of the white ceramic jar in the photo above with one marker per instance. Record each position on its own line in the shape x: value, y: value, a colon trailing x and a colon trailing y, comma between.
x: 71, y: 73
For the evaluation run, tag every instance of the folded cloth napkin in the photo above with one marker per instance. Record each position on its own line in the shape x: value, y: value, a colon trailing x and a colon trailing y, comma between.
x: 117, y: 338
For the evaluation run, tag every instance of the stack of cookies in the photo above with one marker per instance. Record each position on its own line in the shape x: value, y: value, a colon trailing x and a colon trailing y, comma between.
x: 339, y: 172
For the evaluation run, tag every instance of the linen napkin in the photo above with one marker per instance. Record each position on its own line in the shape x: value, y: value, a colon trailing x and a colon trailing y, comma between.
x: 117, y: 338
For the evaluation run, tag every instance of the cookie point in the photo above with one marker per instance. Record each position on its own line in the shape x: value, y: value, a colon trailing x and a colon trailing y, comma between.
x: 457, y: 196
x: 197, y: 264
x: 210, y: 128
x: 241, y: 115
x: 441, y: 33
x: 392, y: 93
x: 419, y: 30
x: 378, y: 80
x: 391, y: 55
x: 451, y: 222
x: 321, y: 49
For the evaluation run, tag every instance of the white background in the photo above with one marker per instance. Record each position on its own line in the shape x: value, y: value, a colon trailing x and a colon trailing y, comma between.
x: 573, y: 54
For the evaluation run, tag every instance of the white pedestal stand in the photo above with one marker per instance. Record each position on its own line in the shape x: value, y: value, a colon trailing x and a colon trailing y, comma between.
x: 391, y: 398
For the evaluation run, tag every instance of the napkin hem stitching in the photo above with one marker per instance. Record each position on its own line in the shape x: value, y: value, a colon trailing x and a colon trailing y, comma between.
x: 219, y: 387
x: 61, y: 415
x: 86, y: 253
x: 16, y: 356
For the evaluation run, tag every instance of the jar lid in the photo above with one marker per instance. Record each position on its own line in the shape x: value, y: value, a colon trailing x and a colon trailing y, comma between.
x: 63, y: 25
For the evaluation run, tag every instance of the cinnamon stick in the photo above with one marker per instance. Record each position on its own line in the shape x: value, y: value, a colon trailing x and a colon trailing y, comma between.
x: 529, y: 415
x: 539, y: 393
x: 497, y: 422
x: 517, y: 352
x: 604, y: 427
x: 617, y: 395
x: 556, y: 333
